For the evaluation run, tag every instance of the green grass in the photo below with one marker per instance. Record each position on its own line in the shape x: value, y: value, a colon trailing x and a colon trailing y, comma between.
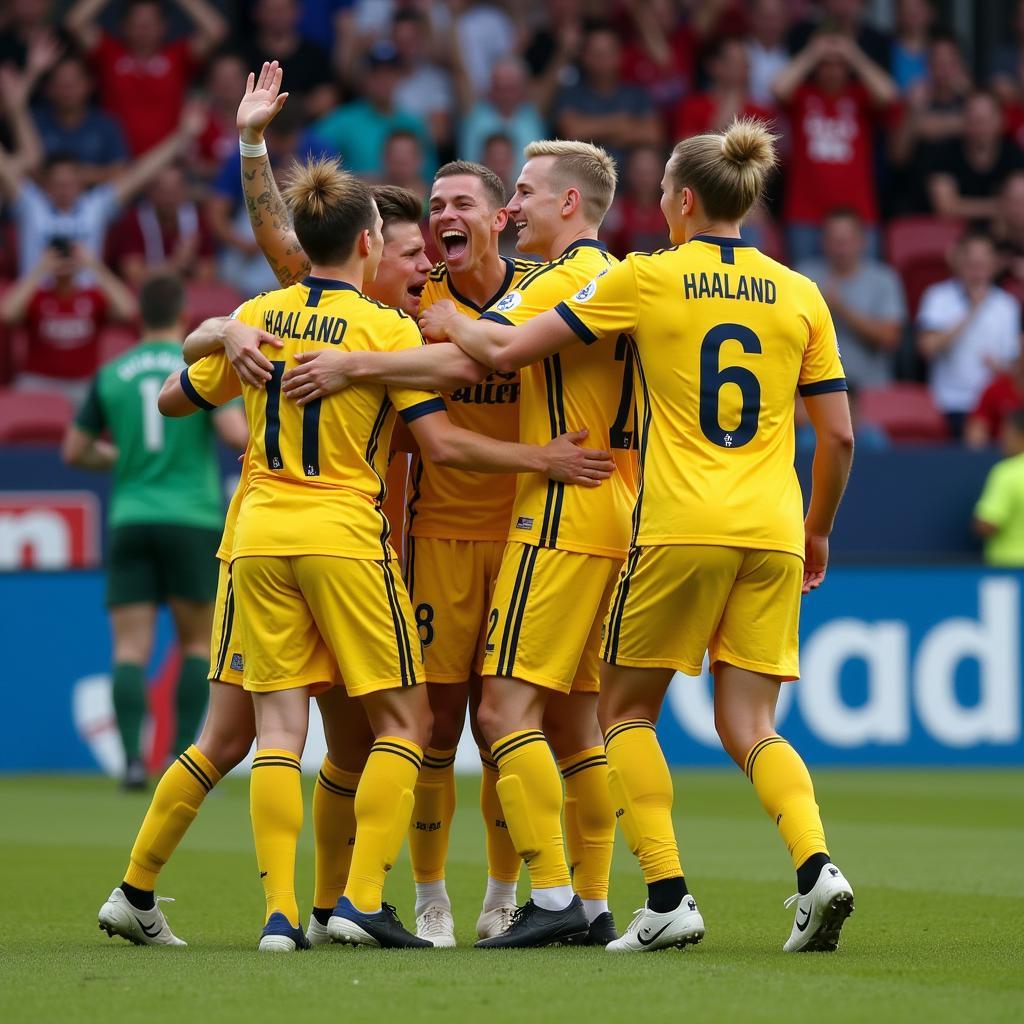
x: 936, y: 859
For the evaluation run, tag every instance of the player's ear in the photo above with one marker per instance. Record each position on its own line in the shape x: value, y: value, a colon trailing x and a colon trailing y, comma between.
x: 686, y: 200
x: 500, y: 219
x: 571, y: 202
x: 365, y: 243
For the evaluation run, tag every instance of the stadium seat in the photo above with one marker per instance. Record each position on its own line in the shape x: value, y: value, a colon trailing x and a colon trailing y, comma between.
x: 908, y: 239
x: 905, y: 412
x: 209, y: 298
x: 33, y: 416
x: 918, y: 275
x: 114, y: 340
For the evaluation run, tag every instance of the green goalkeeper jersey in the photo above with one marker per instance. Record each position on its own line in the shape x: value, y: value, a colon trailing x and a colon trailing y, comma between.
x: 166, y: 469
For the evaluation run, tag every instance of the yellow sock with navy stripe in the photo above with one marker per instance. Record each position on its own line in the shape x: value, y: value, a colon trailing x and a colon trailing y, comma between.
x: 334, y: 832
x: 786, y: 792
x: 384, y: 803
x: 275, y: 805
x: 175, y: 803
x: 530, y: 791
x: 641, y: 788
x: 503, y: 861
x: 433, y: 810
x: 589, y: 821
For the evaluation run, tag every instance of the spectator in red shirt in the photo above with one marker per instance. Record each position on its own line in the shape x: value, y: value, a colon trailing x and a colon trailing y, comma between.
x: 635, y: 222
x: 660, y: 57
x: 143, y: 78
x: 833, y: 116
x: 225, y: 82
x: 726, y: 98
x: 63, y: 320
x: 1003, y: 396
x: 165, y: 233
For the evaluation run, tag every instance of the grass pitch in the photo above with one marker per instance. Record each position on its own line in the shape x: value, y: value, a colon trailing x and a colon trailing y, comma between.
x: 935, y: 858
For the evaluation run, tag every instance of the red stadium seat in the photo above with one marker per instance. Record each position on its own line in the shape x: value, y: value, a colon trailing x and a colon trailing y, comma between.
x: 33, y: 416
x: 908, y: 239
x: 920, y: 274
x: 114, y: 340
x: 905, y: 412
x: 209, y: 298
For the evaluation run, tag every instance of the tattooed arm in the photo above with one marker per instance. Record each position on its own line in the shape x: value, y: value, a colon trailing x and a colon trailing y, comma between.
x: 267, y: 213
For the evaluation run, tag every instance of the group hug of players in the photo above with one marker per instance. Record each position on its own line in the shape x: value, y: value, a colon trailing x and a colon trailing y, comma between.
x: 605, y: 496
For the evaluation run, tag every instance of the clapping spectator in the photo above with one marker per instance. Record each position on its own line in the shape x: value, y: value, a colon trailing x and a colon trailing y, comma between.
x: 602, y: 108
x: 310, y: 78
x: 635, y: 222
x: 766, y: 48
x: 909, y: 54
x: 833, y: 116
x: 424, y: 88
x: 143, y: 76
x: 507, y: 110
x: 968, y: 330
x: 661, y: 55
x: 727, y: 95
x: 999, y: 514
x: 63, y: 319
x: 865, y: 298
x: 552, y: 47
x: 1003, y: 396
x: 27, y: 21
x: 967, y: 172
x: 67, y: 122
x: 846, y: 18
x: 165, y: 233
x: 358, y: 130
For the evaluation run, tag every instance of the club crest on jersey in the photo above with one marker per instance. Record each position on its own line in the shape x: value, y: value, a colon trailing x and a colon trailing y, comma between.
x: 509, y: 302
x: 237, y: 665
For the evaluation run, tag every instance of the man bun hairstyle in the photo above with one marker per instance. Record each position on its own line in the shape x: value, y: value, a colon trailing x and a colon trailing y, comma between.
x: 583, y: 166
x: 727, y: 170
x: 329, y: 207
x: 493, y: 185
x: 397, y: 205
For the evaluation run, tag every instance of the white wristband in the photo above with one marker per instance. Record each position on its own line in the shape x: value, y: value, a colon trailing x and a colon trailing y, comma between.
x: 248, y: 149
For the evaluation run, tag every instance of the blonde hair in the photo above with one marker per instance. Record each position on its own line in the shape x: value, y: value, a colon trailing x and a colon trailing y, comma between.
x: 727, y: 170
x: 330, y: 208
x: 583, y: 166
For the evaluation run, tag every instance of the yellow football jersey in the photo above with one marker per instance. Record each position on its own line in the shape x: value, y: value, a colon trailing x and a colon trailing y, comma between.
x: 316, y: 473
x: 456, y: 504
x: 580, y: 387
x: 724, y: 337
x: 227, y: 538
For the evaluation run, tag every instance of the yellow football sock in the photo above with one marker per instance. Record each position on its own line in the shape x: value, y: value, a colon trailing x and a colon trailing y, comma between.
x: 530, y: 791
x: 432, y: 814
x: 384, y: 803
x: 786, y: 792
x: 589, y: 821
x: 503, y: 862
x: 334, y: 831
x: 275, y: 805
x: 641, y: 789
x: 175, y: 804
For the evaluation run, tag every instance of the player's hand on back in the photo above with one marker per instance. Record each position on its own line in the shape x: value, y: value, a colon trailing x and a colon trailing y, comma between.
x: 242, y: 347
x: 815, y: 561
x: 262, y: 101
x: 571, y: 464
x: 434, y: 320
x: 318, y: 374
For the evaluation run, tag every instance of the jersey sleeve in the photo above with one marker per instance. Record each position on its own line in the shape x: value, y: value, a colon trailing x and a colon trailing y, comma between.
x: 91, y: 416
x: 822, y: 370
x: 539, y: 291
x: 411, y: 403
x: 995, y: 504
x: 211, y: 381
x: 608, y: 305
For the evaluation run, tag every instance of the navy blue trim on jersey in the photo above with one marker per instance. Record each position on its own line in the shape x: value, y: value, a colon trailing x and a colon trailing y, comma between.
x: 496, y: 318
x: 191, y: 394
x: 327, y: 284
x: 823, y: 387
x: 414, y: 412
x: 591, y: 243
x: 578, y: 327
x: 732, y: 243
x: 510, y: 270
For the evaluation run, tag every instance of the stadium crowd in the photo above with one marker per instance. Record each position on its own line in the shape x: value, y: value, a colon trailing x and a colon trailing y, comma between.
x: 901, y: 191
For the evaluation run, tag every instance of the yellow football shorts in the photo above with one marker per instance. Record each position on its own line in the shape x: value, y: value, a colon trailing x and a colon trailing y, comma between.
x: 310, y: 620
x: 546, y: 616
x: 450, y: 584
x: 675, y: 602
x: 226, y: 660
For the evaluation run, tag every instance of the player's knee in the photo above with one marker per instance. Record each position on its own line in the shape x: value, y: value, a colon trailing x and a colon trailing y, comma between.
x: 224, y: 749
x: 446, y: 729
x: 734, y: 736
x: 490, y: 720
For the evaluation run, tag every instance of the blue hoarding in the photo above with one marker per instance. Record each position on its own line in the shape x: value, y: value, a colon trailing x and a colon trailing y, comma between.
x: 901, y: 666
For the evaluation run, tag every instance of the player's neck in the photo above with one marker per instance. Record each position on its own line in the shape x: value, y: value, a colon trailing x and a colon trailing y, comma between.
x: 172, y: 334
x: 348, y: 273
x: 569, y: 234
x: 715, y: 228
x: 480, y: 282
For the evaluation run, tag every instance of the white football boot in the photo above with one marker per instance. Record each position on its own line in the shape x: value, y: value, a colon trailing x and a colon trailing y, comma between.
x: 317, y: 933
x: 650, y: 930
x: 143, y: 927
x: 437, y: 925
x: 494, y: 922
x: 820, y: 914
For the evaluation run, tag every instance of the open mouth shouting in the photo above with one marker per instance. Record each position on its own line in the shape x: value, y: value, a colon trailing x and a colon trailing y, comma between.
x: 455, y: 242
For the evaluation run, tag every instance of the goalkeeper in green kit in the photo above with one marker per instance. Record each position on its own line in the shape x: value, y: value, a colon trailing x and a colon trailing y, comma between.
x: 165, y: 515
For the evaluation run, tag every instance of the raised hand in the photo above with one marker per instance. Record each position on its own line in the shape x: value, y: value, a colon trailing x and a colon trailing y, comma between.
x: 319, y: 374
x: 571, y: 464
x: 44, y: 50
x: 262, y: 101
x: 14, y: 87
